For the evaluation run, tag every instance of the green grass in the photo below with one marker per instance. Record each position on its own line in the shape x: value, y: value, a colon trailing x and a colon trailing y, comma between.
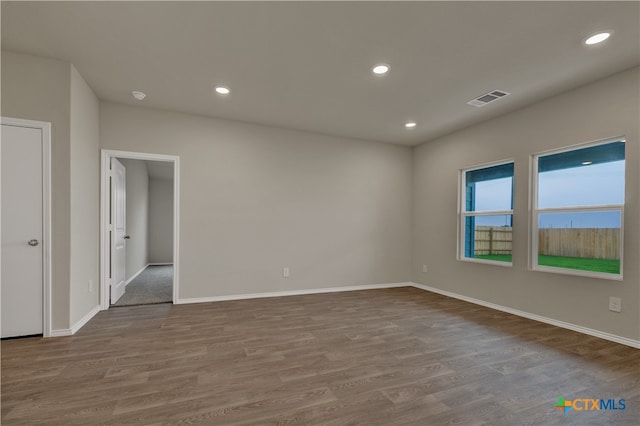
x: 609, y: 266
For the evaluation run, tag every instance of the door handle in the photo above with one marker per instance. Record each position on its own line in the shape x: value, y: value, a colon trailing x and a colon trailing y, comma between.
x: 127, y: 237
x: 33, y: 243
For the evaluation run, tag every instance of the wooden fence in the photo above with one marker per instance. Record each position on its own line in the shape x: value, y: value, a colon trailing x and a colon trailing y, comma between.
x: 593, y: 243
x: 493, y: 240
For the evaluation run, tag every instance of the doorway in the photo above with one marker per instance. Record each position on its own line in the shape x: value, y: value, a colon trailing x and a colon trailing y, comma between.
x: 142, y: 249
x: 26, y: 228
x: 139, y: 228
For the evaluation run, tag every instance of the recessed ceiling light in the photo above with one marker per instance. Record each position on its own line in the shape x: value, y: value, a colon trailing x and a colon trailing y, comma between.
x: 380, y: 69
x: 586, y: 163
x: 597, y: 38
x: 410, y: 124
x: 221, y: 90
x: 138, y: 95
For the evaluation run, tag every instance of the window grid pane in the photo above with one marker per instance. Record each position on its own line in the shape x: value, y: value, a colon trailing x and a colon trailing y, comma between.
x: 487, y: 218
x: 586, y: 233
x: 489, y: 189
x: 489, y: 237
x: 585, y: 185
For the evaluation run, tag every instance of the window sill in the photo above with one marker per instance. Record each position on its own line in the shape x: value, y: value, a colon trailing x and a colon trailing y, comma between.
x: 577, y: 272
x: 486, y: 262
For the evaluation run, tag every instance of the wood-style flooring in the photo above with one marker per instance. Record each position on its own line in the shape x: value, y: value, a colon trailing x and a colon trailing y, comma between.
x: 377, y: 357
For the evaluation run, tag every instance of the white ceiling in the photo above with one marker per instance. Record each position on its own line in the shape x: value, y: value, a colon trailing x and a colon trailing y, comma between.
x: 306, y: 65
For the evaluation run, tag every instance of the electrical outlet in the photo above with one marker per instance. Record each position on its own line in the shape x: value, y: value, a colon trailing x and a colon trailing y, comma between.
x: 285, y: 272
x: 615, y: 304
x: 90, y: 286
x: 424, y: 268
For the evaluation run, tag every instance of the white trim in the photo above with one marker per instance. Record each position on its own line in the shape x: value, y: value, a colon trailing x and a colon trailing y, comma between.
x: 567, y: 325
x: 47, y: 253
x: 104, y: 230
x: 486, y: 261
x: 579, y: 272
x: 60, y: 332
x: 576, y: 146
x: 159, y: 264
x: 534, y: 238
x: 291, y: 293
x: 572, y: 209
x: 487, y: 165
x: 139, y: 155
x: 488, y: 213
x: 85, y: 319
x: 176, y: 225
x: 105, y: 159
x: 533, y: 189
x: 136, y: 274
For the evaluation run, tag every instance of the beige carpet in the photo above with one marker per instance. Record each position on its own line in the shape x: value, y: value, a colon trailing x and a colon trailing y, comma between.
x: 153, y: 285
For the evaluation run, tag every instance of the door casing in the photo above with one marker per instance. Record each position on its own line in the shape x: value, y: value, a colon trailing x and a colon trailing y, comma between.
x: 45, y: 127
x: 105, y: 206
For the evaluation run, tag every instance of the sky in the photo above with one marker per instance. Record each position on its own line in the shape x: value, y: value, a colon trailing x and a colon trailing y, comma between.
x: 596, y: 184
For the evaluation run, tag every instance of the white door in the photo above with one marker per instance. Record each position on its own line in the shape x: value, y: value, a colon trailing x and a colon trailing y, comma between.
x: 21, y: 149
x: 118, y: 229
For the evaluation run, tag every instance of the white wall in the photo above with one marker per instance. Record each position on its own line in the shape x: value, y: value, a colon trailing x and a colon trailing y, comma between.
x: 137, y: 187
x: 39, y: 89
x: 255, y: 199
x: 604, y: 109
x: 47, y: 90
x: 160, y: 221
x: 84, y: 182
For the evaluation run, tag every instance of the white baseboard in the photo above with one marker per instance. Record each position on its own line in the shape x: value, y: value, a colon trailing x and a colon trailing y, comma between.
x: 77, y: 326
x: 136, y: 274
x: 85, y: 319
x: 159, y: 264
x: 290, y: 293
x: 569, y: 326
x: 60, y: 332
x: 591, y: 332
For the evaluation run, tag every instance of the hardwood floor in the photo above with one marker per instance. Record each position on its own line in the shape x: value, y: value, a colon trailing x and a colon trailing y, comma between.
x: 377, y: 357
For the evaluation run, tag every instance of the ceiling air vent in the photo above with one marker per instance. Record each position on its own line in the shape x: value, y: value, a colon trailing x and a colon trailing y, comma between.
x: 487, y: 98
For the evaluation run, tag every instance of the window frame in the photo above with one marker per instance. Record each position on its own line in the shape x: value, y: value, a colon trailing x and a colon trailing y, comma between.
x: 535, y: 212
x: 463, y: 213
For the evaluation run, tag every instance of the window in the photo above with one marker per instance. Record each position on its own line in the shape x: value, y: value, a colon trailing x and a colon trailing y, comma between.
x: 578, y: 206
x: 486, y: 214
